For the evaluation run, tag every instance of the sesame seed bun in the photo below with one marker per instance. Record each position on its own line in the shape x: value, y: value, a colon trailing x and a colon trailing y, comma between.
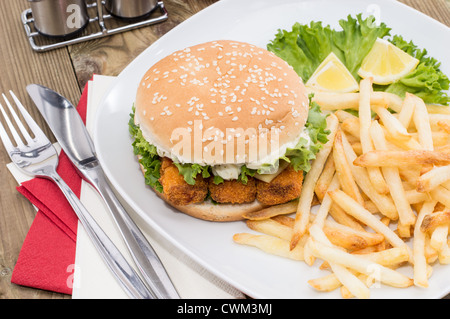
x: 218, y: 92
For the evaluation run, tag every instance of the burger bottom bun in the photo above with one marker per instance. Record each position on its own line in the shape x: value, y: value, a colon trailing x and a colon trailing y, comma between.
x: 210, y: 211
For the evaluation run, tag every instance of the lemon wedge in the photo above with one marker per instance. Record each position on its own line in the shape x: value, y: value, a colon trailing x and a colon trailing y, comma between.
x: 386, y: 63
x: 332, y: 76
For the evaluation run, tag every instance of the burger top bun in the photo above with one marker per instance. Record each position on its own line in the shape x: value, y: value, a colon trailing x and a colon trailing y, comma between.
x: 194, y: 102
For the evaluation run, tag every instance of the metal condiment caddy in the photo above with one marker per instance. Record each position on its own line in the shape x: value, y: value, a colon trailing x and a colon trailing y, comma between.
x: 101, y: 24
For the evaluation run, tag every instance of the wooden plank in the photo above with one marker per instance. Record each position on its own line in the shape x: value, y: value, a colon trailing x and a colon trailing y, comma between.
x: 20, y: 67
x: 437, y: 9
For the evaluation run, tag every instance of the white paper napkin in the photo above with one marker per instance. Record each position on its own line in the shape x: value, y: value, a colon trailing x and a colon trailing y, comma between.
x: 92, y: 279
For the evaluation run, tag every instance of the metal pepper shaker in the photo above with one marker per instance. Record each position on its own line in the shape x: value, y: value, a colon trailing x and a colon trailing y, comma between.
x: 130, y: 9
x: 59, y: 18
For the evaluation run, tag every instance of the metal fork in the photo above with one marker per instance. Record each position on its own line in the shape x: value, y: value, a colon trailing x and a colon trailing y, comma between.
x: 37, y: 157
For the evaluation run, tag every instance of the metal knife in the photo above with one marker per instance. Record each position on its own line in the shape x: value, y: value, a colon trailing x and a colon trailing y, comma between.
x: 71, y: 133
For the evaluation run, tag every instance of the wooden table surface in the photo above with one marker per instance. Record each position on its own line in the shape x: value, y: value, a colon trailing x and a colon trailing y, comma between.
x: 67, y: 70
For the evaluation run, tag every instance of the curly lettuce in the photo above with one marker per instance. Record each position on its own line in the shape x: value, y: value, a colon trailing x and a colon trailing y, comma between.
x: 301, y: 156
x: 306, y: 46
x: 148, y: 155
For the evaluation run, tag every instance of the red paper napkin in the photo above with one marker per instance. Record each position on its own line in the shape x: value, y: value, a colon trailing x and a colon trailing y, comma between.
x: 47, y: 258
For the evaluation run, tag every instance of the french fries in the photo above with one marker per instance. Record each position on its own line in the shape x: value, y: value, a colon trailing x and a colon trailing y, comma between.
x: 343, y: 170
x: 360, y: 213
x: 361, y: 265
x: 383, y: 187
x: 392, y: 177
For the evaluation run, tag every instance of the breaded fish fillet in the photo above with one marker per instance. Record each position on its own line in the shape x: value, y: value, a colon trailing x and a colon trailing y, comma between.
x: 233, y: 191
x: 175, y: 188
x: 282, y: 189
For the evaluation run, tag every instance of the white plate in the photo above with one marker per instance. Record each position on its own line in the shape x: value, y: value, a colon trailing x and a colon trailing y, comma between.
x: 256, y: 21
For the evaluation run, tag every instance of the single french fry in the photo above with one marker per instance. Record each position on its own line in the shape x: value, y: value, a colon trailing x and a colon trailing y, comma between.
x: 343, y: 170
x: 436, y: 118
x: 435, y: 219
x: 440, y: 138
x: 349, y: 238
x: 307, y: 194
x: 438, y: 109
x: 388, y: 257
x: 414, y: 197
x: 431, y: 254
x: 360, y: 264
x: 365, y: 118
x: 422, y: 122
x: 271, y: 245
x: 270, y: 227
x: 401, y: 158
x: 343, y: 218
x: 410, y: 173
x: 404, y: 230
x: 433, y: 178
x: 357, y: 147
x: 351, y: 126
x: 406, y: 113
x: 342, y: 101
x: 441, y: 194
x: 444, y: 254
x: 445, y: 126
x: 343, y: 115
x: 271, y: 211
x: 354, y: 285
x: 325, y: 283
x: 438, y: 238
x: 392, y: 177
x: 325, y: 178
x: 420, y: 262
x: 326, y: 203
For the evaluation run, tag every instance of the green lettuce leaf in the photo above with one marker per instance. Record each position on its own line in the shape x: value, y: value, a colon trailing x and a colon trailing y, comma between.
x: 149, y: 158
x: 190, y: 171
x: 245, y: 173
x: 301, y: 155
